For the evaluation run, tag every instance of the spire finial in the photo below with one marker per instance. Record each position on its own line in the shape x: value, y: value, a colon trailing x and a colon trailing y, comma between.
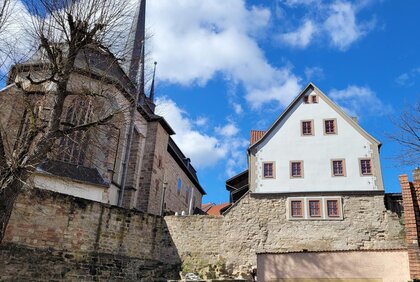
x: 152, y: 87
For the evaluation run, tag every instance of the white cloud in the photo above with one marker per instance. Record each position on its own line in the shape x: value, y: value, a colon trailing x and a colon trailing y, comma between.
x: 228, y: 130
x: 237, y: 108
x: 203, y: 149
x: 408, y: 79
x: 314, y: 73
x: 201, y: 121
x: 195, y: 40
x: 360, y: 101
x: 342, y: 27
x: 282, y: 93
x: 336, y: 22
x: 302, y: 37
x: 15, y: 42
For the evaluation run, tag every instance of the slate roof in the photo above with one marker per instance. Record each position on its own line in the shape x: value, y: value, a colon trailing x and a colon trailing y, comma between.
x: 71, y: 171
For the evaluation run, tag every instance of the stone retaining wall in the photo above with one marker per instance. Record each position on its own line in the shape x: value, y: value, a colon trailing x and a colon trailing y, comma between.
x: 55, y: 236
x: 227, y: 246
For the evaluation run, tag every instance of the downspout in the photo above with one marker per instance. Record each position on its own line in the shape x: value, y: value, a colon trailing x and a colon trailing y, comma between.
x: 129, y: 143
x: 162, y: 204
x: 191, y: 202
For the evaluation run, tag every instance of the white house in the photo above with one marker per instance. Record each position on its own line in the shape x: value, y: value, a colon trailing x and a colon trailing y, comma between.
x: 313, y: 152
x: 314, y: 146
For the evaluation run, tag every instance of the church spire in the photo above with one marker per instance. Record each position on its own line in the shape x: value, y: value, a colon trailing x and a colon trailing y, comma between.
x: 135, y: 48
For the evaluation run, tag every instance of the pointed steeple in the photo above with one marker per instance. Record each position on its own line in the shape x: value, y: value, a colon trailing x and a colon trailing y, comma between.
x: 135, y: 48
x: 152, y: 87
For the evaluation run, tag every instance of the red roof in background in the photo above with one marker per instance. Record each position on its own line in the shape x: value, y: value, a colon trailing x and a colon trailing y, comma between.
x: 256, y: 135
x: 218, y: 209
x: 206, y: 207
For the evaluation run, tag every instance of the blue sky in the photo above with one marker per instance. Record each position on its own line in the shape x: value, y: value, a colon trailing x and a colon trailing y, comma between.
x: 226, y: 67
x: 363, y: 54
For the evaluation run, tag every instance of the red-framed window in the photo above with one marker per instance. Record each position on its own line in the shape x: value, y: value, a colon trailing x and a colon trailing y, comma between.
x: 296, y: 169
x: 366, y: 167
x: 338, y: 167
x: 268, y: 168
x: 307, y: 128
x: 330, y: 127
x: 314, y: 208
x: 333, y: 208
x: 296, y: 208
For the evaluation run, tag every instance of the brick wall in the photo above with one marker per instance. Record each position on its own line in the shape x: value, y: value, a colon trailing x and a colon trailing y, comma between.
x: 55, y: 236
x: 411, y: 200
x: 227, y: 246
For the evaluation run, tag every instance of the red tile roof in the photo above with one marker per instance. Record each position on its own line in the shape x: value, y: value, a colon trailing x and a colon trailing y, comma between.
x: 206, y: 207
x: 218, y: 209
x: 256, y: 135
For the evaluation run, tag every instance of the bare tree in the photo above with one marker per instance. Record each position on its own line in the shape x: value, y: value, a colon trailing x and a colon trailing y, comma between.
x: 408, y: 136
x: 4, y: 13
x: 72, y: 35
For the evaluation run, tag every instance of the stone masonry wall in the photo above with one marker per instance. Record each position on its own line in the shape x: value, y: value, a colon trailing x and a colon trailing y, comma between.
x: 55, y: 236
x: 227, y: 246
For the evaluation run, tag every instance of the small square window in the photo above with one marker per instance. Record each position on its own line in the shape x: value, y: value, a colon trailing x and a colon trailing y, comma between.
x: 296, y: 169
x: 307, y: 128
x: 296, y: 208
x: 306, y: 99
x: 333, y: 208
x: 366, y: 167
x: 268, y: 169
x: 314, y: 208
x: 338, y: 167
x: 329, y: 126
x: 314, y: 99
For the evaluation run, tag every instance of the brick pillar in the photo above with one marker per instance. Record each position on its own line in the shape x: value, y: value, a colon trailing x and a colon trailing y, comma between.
x: 412, y: 223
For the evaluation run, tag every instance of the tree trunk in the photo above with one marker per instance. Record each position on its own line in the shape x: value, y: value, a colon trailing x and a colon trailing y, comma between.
x: 8, y: 196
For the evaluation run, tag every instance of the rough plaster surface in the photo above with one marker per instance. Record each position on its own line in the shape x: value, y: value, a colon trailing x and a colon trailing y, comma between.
x: 386, y: 266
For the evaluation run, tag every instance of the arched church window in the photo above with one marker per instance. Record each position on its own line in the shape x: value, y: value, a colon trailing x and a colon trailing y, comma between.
x: 73, y: 147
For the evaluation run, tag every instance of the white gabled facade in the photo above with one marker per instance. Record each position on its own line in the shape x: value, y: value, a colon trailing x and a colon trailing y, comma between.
x: 284, y: 143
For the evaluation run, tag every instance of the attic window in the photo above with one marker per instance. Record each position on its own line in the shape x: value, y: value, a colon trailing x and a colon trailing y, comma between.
x: 330, y: 126
x: 306, y: 99
x: 307, y: 127
x: 314, y: 99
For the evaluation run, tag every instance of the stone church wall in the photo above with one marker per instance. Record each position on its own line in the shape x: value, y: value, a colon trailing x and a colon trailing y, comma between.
x: 56, y: 236
x: 214, y: 246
